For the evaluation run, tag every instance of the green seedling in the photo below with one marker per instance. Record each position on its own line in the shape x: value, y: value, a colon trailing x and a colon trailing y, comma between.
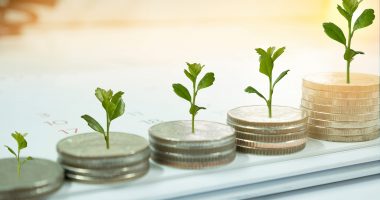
x: 21, y: 144
x: 267, y: 59
x: 192, y: 74
x: 335, y: 33
x: 114, y: 106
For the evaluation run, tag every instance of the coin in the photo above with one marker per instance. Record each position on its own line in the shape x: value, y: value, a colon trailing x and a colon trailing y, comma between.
x: 194, y: 165
x: 39, y: 178
x: 193, y: 157
x: 343, y: 138
x: 262, y: 151
x: 343, y: 124
x: 257, y: 116
x: 339, y: 109
x: 271, y: 138
x: 192, y: 150
x: 342, y: 131
x: 268, y: 130
x: 336, y: 82
x: 342, y: 95
x: 89, y: 151
x: 341, y: 101
x: 267, y: 145
x: 342, y: 117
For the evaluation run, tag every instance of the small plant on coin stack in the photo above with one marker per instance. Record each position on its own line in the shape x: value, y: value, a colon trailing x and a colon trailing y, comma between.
x: 21, y: 144
x: 267, y: 59
x: 114, y: 106
x: 192, y: 73
x: 334, y: 32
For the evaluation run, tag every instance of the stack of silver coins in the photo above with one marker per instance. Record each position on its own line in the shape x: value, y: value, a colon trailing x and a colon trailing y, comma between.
x: 38, y: 179
x: 339, y: 111
x: 284, y: 133
x: 86, y: 159
x: 174, y: 144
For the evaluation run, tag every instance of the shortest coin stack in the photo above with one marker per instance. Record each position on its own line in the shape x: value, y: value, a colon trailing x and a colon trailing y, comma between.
x: 85, y: 157
x: 284, y: 133
x: 38, y: 179
x: 174, y: 144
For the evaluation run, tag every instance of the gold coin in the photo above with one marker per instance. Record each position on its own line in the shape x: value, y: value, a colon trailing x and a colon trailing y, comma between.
x: 271, y: 138
x: 342, y: 138
x: 339, y: 109
x: 340, y: 95
x: 342, y: 131
x: 341, y: 102
x: 269, y: 130
x: 257, y: 116
x: 265, y: 145
x: 336, y: 82
x: 348, y: 124
x: 342, y: 117
x: 261, y: 151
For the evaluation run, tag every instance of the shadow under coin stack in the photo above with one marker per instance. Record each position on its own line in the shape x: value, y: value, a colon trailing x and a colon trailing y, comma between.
x: 86, y: 159
x: 339, y: 111
x: 284, y: 133
x: 174, y: 144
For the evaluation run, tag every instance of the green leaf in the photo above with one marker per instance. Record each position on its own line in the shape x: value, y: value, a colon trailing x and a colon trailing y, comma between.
x: 93, y: 124
x: 194, y: 109
x: 11, y: 150
x: 344, y: 13
x: 351, y: 5
x: 334, y: 32
x: 250, y: 89
x: 195, y: 68
x: 181, y: 91
x: 119, y: 110
x: 278, y: 53
x: 207, y: 80
x: 284, y: 73
x: 349, y: 54
x: 26, y: 159
x: 365, y: 19
x: 270, y: 50
x: 190, y: 76
x: 21, y: 142
x: 266, y: 62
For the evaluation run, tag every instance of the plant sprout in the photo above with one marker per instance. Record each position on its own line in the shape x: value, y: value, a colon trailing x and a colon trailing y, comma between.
x: 267, y: 59
x: 192, y: 73
x: 114, y: 106
x: 21, y: 144
x: 335, y: 33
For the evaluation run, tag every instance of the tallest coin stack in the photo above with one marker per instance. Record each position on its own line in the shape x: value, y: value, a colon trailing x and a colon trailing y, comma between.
x: 339, y: 111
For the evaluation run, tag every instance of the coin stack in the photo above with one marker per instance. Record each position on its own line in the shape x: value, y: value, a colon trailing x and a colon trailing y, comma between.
x: 86, y: 159
x: 38, y: 179
x: 174, y: 144
x: 284, y: 133
x: 339, y: 111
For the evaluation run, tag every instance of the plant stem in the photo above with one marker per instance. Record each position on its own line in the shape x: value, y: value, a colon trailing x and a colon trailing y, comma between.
x: 348, y: 48
x: 107, y: 136
x: 193, y: 103
x: 18, y: 163
x: 269, y: 102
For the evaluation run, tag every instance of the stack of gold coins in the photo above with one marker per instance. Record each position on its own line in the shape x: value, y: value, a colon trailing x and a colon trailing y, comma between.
x: 174, y: 144
x: 339, y: 111
x: 283, y: 133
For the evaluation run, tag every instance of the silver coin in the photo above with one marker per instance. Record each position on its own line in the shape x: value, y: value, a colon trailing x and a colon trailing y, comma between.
x: 207, y: 134
x: 342, y: 124
x: 39, y: 178
x: 336, y: 82
x: 268, y: 130
x: 343, y: 117
x: 345, y: 138
x: 257, y: 116
x: 341, y: 95
x: 341, y: 101
x: 270, y: 145
x: 342, y: 131
x: 179, y: 149
x: 271, y: 138
x: 89, y: 151
x: 339, y: 109
x: 263, y: 151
